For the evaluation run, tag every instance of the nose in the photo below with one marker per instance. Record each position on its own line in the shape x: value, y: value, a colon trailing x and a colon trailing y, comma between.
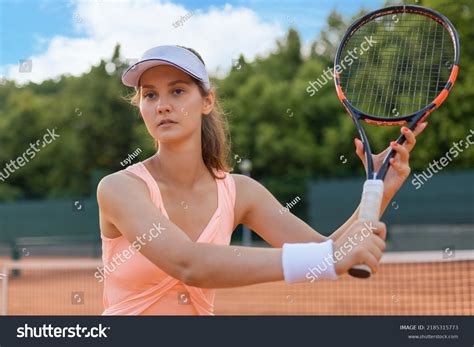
x: 163, y: 108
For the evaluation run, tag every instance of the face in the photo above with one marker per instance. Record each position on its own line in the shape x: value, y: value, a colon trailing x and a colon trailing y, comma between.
x: 171, y: 104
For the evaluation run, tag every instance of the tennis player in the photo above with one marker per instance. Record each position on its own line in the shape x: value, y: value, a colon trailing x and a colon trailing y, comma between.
x: 166, y: 222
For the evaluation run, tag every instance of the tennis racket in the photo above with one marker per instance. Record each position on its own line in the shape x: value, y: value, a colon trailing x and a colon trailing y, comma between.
x: 394, y: 66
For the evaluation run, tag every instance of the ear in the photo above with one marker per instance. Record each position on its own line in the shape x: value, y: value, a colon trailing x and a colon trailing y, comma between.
x: 208, y: 103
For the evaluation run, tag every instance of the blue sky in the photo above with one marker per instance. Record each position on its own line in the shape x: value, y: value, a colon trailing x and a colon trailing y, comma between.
x: 24, y: 22
x: 29, y: 26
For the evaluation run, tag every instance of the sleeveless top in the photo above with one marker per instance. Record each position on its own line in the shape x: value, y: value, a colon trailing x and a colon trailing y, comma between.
x: 136, y: 286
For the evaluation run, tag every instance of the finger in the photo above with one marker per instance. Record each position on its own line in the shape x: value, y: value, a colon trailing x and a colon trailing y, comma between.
x: 380, y: 243
x: 402, y: 151
x: 419, y: 128
x: 402, y: 170
x: 371, y: 262
x: 375, y: 251
x: 410, y: 140
x: 379, y: 229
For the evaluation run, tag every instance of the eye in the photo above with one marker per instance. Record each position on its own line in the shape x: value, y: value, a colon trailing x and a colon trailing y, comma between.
x: 149, y: 95
x: 178, y: 91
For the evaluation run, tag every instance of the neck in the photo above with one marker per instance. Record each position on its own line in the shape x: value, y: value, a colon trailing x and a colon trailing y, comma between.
x: 179, y: 165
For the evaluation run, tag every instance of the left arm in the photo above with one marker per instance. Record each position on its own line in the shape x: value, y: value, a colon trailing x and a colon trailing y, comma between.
x: 257, y: 208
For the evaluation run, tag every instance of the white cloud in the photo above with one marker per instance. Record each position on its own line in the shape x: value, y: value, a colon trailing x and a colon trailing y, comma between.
x: 218, y: 34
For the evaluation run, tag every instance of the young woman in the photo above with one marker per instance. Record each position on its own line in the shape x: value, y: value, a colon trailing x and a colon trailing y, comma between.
x: 166, y: 222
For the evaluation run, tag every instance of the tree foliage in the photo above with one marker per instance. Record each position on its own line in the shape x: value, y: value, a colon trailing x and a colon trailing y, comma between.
x: 273, y: 119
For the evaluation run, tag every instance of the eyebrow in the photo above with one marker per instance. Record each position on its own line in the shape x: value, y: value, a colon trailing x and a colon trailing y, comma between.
x: 169, y: 84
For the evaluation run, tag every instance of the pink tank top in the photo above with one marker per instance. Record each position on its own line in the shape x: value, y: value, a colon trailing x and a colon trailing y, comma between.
x: 136, y: 286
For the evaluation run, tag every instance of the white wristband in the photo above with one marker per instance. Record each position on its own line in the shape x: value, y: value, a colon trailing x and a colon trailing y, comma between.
x: 308, y: 261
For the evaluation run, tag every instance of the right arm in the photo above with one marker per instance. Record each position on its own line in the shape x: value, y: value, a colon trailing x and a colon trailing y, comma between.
x: 125, y: 202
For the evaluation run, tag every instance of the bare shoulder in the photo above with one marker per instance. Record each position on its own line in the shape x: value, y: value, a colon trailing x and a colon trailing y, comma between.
x: 245, y: 185
x: 240, y: 180
x: 119, y: 185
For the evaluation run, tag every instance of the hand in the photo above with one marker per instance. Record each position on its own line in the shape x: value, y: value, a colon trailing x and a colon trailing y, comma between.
x: 362, y: 243
x: 399, y: 169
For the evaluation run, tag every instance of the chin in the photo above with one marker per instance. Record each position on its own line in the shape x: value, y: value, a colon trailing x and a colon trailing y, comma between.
x: 169, y: 137
x: 175, y: 134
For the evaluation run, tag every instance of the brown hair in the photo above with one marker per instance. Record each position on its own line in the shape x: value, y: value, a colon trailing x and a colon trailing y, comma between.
x: 215, y: 138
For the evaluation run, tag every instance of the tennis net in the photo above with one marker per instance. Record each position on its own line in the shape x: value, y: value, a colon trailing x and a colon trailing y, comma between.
x: 50, y: 286
x: 408, y: 283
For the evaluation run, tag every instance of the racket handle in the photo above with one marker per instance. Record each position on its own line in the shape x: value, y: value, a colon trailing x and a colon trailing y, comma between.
x: 371, y: 200
x: 360, y: 271
x: 369, y: 210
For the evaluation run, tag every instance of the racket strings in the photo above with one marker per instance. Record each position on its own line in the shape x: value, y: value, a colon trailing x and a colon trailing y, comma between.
x: 404, y: 64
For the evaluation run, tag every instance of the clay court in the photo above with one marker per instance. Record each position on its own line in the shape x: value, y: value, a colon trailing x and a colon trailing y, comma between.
x: 441, y: 287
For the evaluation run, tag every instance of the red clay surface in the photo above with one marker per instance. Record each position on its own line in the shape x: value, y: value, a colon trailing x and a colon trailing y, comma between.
x: 408, y: 289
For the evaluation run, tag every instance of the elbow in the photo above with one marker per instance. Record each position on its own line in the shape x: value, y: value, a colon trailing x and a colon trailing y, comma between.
x: 182, y: 263
x: 189, y: 269
x: 189, y: 277
x: 193, y: 276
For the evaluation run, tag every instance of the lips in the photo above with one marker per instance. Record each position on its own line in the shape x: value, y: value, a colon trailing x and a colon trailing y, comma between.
x: 166, y: 121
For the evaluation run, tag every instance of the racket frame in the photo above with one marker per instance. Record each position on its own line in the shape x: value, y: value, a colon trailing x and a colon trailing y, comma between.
x: 411, y: 120
x: 373, y: 187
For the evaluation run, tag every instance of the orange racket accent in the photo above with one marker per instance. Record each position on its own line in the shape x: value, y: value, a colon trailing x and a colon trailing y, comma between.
x: 340, y: 94
x: 444, y: 94
x: 398, y: 122
x: 454, y: 75
x: 440, y: 98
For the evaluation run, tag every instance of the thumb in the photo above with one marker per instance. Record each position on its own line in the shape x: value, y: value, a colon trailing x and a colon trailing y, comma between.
x: 359, y: 149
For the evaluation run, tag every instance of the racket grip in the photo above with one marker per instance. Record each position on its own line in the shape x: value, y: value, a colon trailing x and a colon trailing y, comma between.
x: 369, y: 210
x: 371, y: 200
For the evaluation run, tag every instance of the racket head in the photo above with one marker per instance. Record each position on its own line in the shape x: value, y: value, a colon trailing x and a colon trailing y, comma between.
x: 408, y: 70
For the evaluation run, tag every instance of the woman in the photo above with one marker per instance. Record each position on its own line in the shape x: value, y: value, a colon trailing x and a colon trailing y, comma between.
x: 169, y: 218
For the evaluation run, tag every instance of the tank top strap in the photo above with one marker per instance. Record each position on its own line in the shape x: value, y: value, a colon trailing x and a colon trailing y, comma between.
x: 141, y: 171
x: 230, y: 190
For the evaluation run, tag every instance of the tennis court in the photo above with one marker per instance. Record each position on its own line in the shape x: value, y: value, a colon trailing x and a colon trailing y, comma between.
x: 408, y: 283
